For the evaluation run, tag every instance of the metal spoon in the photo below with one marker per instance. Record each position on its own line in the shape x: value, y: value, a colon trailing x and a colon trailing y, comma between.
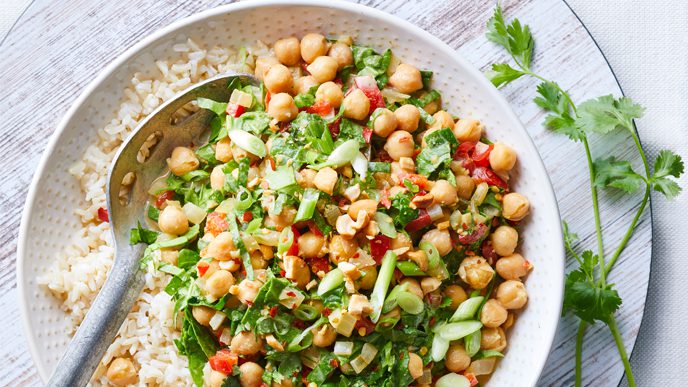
x: 125, y: 280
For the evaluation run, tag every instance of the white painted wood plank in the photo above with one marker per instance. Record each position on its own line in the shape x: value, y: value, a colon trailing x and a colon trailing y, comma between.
x: 58, y: 47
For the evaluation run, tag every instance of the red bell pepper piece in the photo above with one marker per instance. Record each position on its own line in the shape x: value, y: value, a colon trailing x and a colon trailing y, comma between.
x: 294, y: 248
x: 369, y: 87
x: 216, y: 223
x: 367, y: 134
x: 423, y: 220
x: 489, y: 176
x: 478, y: 233
x: 162, y: 198
x: 321, y: 108
x: 235, y: 110
x: 223, y: 361
x: 103, y: 215
x: 378, y: 247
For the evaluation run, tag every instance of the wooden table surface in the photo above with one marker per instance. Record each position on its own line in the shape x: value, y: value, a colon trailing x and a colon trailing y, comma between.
x: 57, y: 48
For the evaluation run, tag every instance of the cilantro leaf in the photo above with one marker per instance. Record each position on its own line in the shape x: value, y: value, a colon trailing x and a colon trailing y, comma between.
x: 615, y: 173
x: 667, y: 164
x: 142, y: 235
x: 588, y: 300
x: 564, y: 124
x: 605, y: 114
x: 516, y: 38
x: 560, y: 121
x: 502, y: 74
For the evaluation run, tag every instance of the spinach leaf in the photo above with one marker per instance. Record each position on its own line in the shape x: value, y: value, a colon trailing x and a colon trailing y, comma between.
x: 369, y: 62
x: 142, y: 235
x: 256, y: 122
x: 437, y: 153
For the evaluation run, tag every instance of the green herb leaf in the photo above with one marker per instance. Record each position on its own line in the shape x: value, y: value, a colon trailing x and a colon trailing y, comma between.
x: 218, y: 108
x: 587, y: 300
x: 502, y: 74
x: 142, y: 235
x: 667, y: 164
x: 516, y: 38
x: 615, y: 173
x: 605, y: 114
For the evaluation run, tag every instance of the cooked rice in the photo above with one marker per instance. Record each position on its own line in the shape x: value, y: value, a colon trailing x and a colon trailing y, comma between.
x: 79, y: 272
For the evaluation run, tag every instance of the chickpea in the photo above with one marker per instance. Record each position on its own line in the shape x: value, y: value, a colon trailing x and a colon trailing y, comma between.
x: 443, y: 120
x: 288, y: 51
x: 368, y: 277
x: 515, y: 206
x: 493, y: 338
x: 457, y: 295
x: 406, y: 79
x: 248, y: 290
x: 240, y: 153
x: 367, y: 205
x: 203, y: 314
x: 444, y: 193
x: 218, y: 284
x: 297, y: 271
x: 415, y: 365
x: 169, y: 256
x: 246, y: 343
x: 251, y: 374
x: 324, y: 336
x: 413, y: 286
x: 173, y: 220
x: 399, y: 144
x: 278, y: 79
x: 213, y: 266
x: 356, y: 105
x: 464, y: 186
x: 223, y: 150
x: 476, y: 272
x: 493, y: 314
x: 282, y: 107
x: 281, y: 220
x: 342, y: 54
x: 407, y: 117
x: 385, y: 122
x: 512, y: 294
x: 217, y: 178
x: 502, y: 157
x: 504, y: 240
x: 510, y: 319
x: 257, y: 260
x: 304, y: 84
x: 341, y: 248
x: 457, y: 358
x: 468, y: 130
x: 214, y: 378
x: 267, y: 252
x: 182, y: 161
x: 429, y: 284
x: 306, y: 178
x: 331, y: 93
x: 310, y: 245
x: 323, y: 69
x: 440, y: 239
x: 313, y: 46
x: 263, y: 64
x: 122, y: 372
x: 222, y: 247
x: 512, y: 267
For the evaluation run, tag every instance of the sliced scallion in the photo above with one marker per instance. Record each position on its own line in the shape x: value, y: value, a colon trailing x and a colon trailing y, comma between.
x: 286, y: 239
x: 330, y: 281
x: 306, y: 312
x: 410, y: 303
x: 410, y: 269
x: 436, y: 266
x: 453, y: 380
x: 244, y: 199
x: 439, y: 348
x: 391, y: 300
x: 386, y: 224
x: 384, y: 277
x: 248, y: 142
x: 459, y: 330
x: 472, y: 343
x: 307, y: 206
x: 467, y: 309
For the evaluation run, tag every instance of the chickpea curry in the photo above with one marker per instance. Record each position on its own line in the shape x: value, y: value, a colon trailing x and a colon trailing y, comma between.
x: 338, y: 229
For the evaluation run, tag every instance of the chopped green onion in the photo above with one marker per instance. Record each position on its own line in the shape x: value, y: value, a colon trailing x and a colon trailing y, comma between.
x: 248, y: 142
x: 436, y: 266
x: 239, y: 243
x: 391, y: 301
x: 453, y: 380
x: 198, y: 174
x: 410, y: 269
x: 384, y: 277
x: 386, y: 224
x: 281, y: 178
x: 467, y: 309
x: 298, y: 344
x: 330, y: 281
x: 344, y: 154
x: 472, y: 343
x: 410, y: 303
x: 439, y: 348
x: 286, y: 239
x: 387, y: 322
x: 180, y: 240
x: 307, y: 206
x: 244, y: 199
x: 360, y: 165
x: 459, y: 330
x: 306, y: 312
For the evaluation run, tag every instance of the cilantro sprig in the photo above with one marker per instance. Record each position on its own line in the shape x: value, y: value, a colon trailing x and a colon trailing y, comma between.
x: 587, y: 293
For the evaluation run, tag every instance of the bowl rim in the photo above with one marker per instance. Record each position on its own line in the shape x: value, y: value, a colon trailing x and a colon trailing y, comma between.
x: 164, y: 32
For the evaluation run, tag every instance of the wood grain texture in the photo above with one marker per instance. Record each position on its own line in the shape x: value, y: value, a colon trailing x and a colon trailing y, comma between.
x: 57, y: 48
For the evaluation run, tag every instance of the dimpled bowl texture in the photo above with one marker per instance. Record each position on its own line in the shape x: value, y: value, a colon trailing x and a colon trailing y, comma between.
x: 49, y: 222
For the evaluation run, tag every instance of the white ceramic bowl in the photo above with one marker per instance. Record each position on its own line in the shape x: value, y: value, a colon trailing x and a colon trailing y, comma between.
x: 48, y: 220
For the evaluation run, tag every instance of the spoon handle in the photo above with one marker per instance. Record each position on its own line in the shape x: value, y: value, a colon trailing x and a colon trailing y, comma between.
x: 102, y: 322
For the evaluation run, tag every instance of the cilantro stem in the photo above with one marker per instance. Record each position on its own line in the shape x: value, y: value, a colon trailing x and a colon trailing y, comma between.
x: 614, y: 329
x: 596, y: 210
x: 579, y: 352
